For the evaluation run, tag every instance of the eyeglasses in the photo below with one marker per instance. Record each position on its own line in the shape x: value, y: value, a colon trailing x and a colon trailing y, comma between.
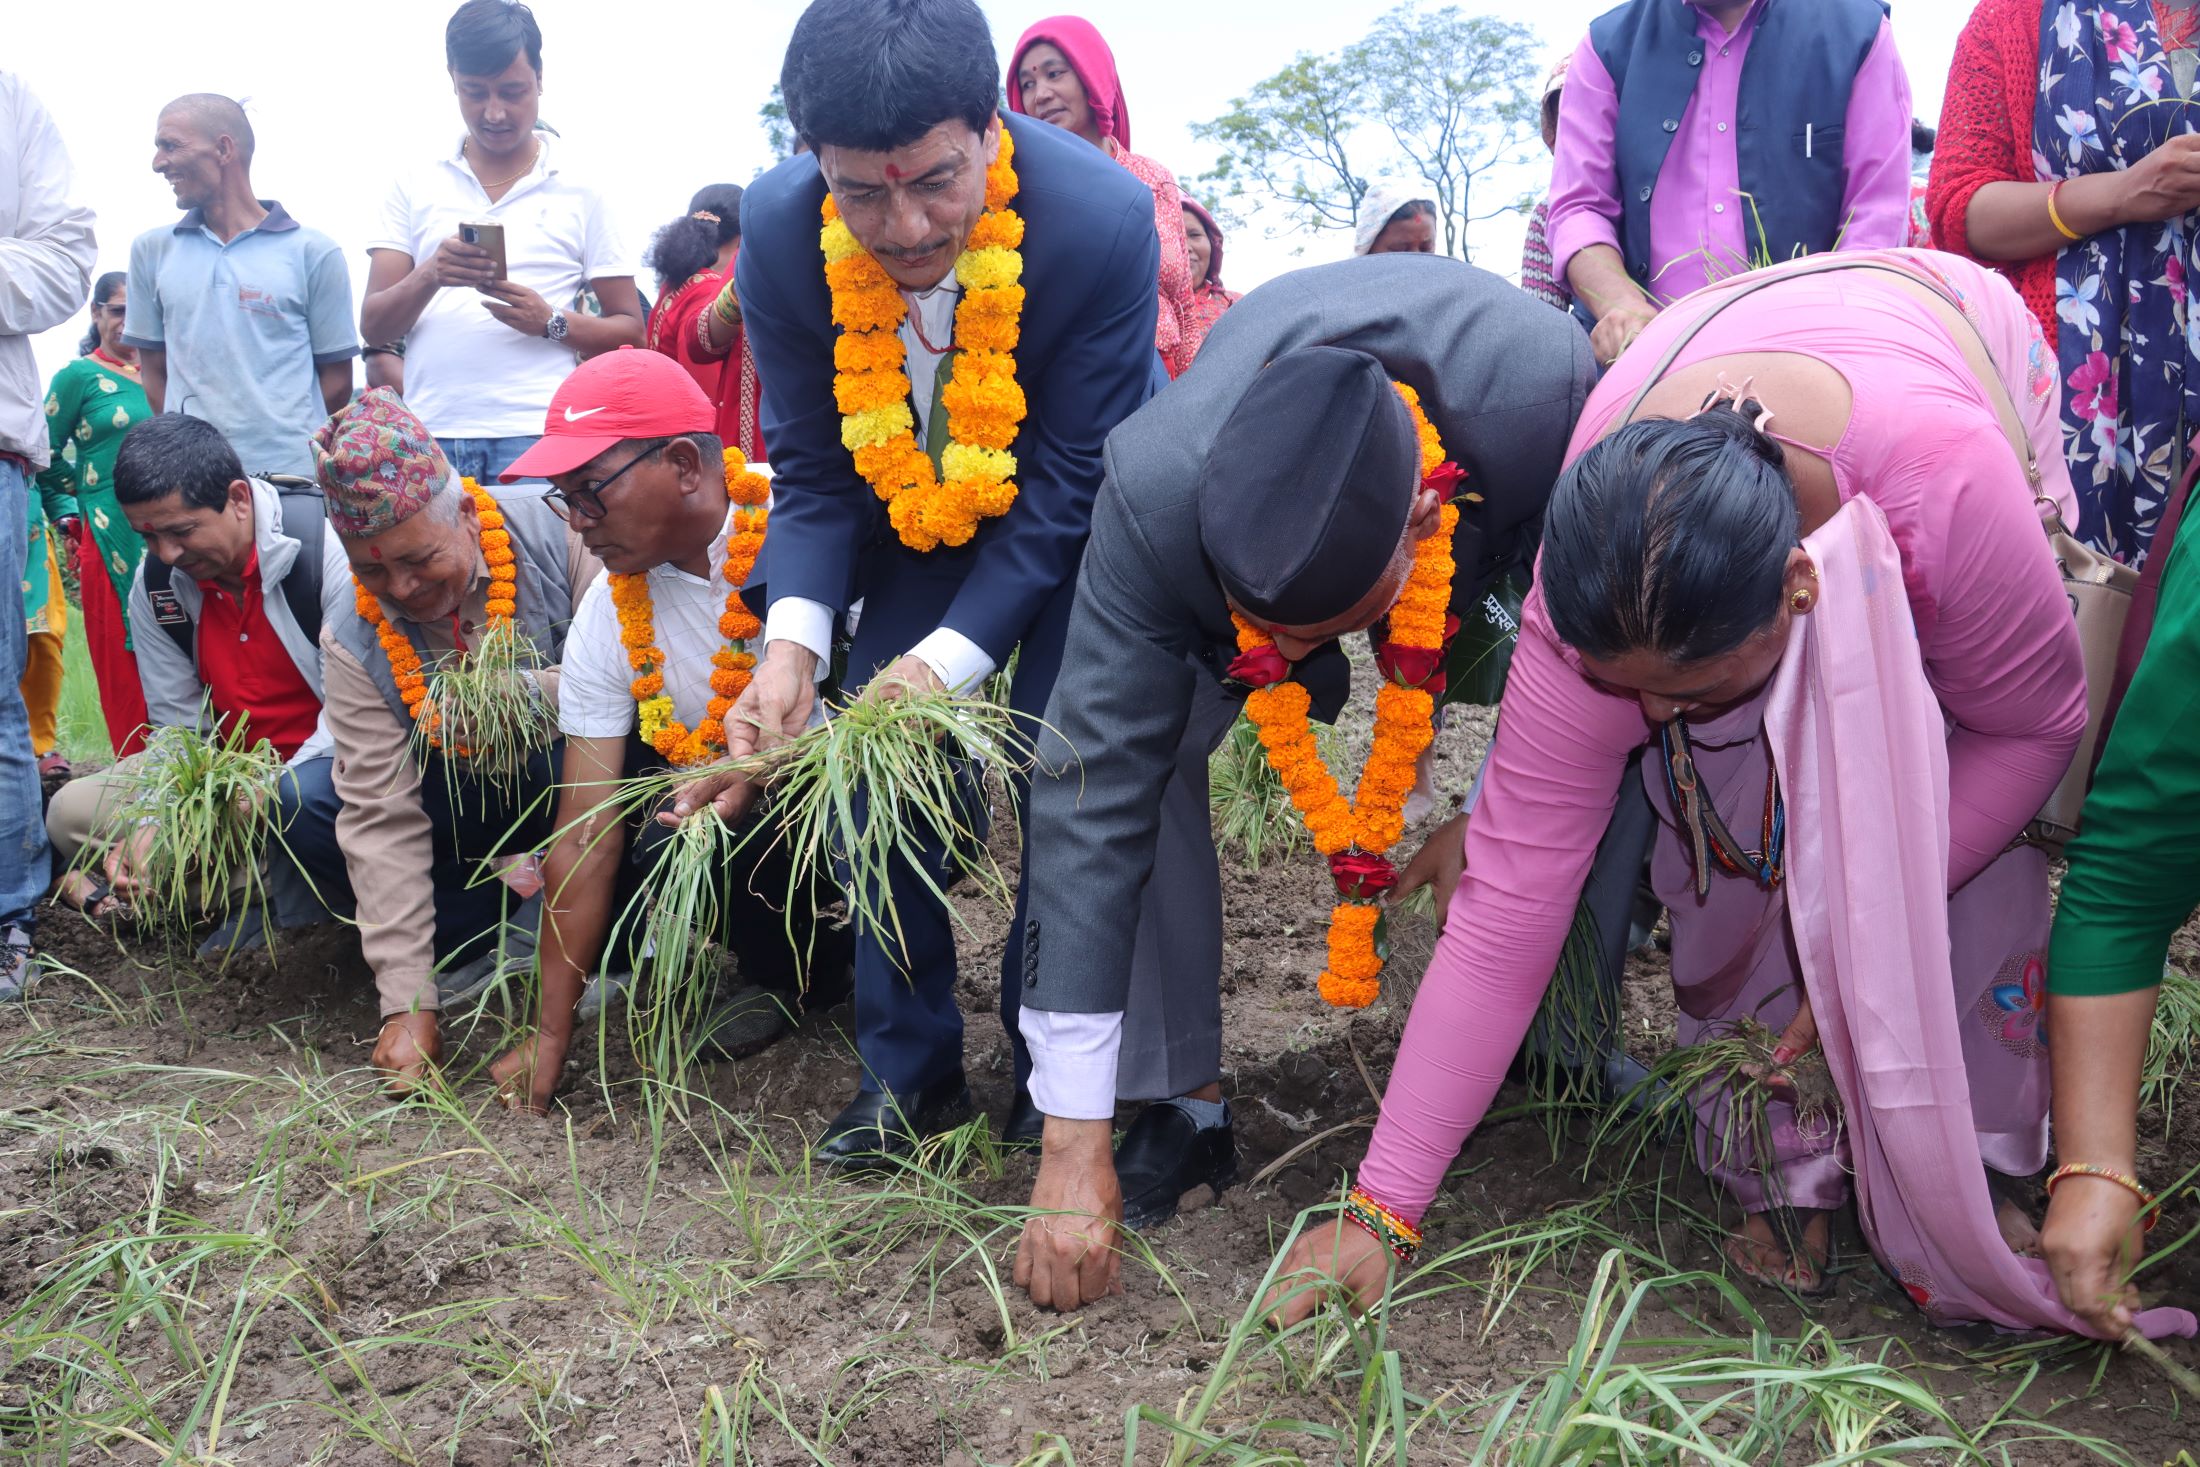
x: 586, y: 502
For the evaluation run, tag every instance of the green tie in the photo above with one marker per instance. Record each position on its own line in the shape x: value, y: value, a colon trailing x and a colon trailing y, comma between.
x: 935, y: 422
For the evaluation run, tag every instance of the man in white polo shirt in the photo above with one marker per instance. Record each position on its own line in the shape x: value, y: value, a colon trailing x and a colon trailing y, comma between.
x: 483, y: 354
x: 635, y: 467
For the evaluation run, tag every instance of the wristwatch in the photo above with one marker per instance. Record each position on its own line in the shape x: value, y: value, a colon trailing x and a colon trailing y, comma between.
x: 555, y: 329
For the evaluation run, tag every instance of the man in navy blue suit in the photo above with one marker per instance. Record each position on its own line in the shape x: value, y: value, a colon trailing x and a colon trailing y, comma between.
x: 896, y: 100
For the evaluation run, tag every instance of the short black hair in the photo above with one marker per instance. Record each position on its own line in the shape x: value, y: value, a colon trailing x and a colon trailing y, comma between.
x: 875, y: 75
x: 484, y: 36
x: 1922, y: 136
x: 1670, y: 536
x: 172, y: 454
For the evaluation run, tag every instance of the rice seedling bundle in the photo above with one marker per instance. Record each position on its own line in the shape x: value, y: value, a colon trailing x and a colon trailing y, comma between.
x: 1728, y: 1073
x: 850, y: 800
x: 208, y: 803
x: 487, y: 711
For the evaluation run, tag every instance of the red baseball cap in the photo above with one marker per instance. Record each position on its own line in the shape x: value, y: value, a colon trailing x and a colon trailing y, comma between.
x: 628, y: 393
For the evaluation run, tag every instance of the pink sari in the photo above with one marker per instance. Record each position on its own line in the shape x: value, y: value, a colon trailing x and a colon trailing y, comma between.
x: 1867, y: 867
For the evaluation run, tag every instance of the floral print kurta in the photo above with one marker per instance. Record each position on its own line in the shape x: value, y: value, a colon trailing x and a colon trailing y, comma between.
x: 2108, y: 97
x: 92, y: 403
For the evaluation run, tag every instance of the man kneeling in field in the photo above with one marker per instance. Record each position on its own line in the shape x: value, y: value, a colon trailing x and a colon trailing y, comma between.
x: 658, y: 650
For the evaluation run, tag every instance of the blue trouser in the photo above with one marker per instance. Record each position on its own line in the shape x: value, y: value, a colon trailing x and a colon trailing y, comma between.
x: 307, y: 877
x: 474, y: 823
x: 909, y: 1028
x: 482, y: 459
x: 27, y: 867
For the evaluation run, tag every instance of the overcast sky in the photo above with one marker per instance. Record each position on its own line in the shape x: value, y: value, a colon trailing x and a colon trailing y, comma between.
x: 653, y: 106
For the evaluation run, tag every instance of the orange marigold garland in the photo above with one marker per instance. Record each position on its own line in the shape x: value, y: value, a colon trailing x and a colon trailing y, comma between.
x: 731, y: 665
x: 1357, y: 834
x: 984, y: 402
x: 405, y: 667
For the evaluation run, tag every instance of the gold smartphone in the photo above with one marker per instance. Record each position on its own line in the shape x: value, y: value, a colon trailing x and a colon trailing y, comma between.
x: 490, y: 237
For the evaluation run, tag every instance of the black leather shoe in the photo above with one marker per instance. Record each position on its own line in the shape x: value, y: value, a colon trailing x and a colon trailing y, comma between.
x: 1165, y: 1154
x: 1026, y: 1123
x: 873, y: 1130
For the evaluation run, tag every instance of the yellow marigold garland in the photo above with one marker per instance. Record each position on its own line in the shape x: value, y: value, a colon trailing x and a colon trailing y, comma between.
x: 731, y: 665
x: 1356, y: 834
x: 984, y: 402
x: 405, y: 668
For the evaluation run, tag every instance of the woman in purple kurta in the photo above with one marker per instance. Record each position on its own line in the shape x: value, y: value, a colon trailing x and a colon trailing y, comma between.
x: 1906, y: 914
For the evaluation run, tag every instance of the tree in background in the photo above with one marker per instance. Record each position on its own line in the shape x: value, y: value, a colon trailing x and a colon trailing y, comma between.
x: 1442, y: 95
x: 778, y: 132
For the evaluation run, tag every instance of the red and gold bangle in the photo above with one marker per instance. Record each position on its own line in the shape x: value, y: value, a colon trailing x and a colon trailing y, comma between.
x: 2149, y: 1204
x: 1402, y: 1238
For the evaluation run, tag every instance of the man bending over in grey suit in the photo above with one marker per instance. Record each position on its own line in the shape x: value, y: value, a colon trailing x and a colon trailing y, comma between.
x: 1280, y: 478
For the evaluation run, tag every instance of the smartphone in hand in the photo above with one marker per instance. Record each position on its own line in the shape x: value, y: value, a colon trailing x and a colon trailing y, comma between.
x: 488, y: 236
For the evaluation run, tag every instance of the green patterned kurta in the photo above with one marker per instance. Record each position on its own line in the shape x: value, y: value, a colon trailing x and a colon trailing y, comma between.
x: 91, y: 404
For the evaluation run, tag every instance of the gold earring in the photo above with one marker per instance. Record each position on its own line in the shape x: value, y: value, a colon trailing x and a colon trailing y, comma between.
x: 1800, y: 600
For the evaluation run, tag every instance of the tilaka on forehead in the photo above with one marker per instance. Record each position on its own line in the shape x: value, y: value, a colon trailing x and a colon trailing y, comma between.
x: 893, y: 173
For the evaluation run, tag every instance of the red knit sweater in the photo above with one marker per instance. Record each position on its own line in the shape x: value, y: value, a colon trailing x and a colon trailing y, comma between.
x: 1986, y: 136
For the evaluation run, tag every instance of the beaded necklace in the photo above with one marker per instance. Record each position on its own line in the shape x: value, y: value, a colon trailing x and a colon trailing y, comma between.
x: 1708, y: 838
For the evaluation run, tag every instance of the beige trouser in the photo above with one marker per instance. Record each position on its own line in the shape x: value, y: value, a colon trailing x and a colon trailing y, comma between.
x: 86, y: 812
x: 85, y: 818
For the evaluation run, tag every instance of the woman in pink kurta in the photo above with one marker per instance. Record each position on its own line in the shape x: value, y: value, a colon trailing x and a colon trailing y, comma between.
x: 1063, y: 73
x: 1918, y: 702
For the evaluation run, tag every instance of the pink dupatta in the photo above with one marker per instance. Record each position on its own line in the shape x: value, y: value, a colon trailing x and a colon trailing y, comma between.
x: 1867, y: 899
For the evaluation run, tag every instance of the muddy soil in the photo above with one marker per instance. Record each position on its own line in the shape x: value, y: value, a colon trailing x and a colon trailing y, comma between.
x: 471, y: 1287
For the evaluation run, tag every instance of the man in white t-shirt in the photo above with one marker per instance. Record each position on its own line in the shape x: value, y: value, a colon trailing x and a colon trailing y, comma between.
x: 634, y: 466
x: 484, y: 351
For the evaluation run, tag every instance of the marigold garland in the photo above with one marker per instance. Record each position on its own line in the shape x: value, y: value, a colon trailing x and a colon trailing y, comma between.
x: 731, y: 665
x: 1356, y: 834
x: 405, y: 667
x: 984, y: 402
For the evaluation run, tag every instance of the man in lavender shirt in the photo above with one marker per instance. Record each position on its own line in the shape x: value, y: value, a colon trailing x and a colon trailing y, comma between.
x: 1702, y: 138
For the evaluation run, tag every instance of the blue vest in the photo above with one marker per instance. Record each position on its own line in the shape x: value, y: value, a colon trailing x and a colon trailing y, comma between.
x: 1801, y: 67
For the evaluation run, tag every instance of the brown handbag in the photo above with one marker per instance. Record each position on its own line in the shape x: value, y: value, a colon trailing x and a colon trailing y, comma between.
x: 2100, y: 589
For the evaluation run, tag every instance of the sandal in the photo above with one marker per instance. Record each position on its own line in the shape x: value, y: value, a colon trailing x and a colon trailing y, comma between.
x: 88, y: 894
x: 1790, y: 1226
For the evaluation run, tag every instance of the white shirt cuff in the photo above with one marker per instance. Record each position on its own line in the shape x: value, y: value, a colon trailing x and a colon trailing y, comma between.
x: 805, y: 623
x: 961, y: 664
x: 1072, y: 1062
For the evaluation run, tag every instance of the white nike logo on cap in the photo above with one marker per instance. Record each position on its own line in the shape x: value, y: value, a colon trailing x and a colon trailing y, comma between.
x: 573, y: 417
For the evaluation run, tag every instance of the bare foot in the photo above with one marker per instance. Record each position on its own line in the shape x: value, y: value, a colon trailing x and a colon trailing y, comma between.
x: 408, y: 1051
x: 2017, y: 1228
x: 1758, y: 1251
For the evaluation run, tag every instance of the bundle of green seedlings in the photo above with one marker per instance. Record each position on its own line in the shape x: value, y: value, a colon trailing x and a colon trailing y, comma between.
x: 1731, y: 1074
x: 488, y: 712
x: 198, y: 808
x: 847, y: 802
x: 1252, y: 811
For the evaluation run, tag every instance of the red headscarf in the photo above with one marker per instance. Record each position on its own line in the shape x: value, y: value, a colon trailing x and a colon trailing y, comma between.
x: 1094, y: 64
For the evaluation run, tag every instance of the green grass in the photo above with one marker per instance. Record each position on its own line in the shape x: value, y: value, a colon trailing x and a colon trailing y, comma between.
x: 446, y: 1282
x: 82, y: 723
x: 2171, y: 1044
